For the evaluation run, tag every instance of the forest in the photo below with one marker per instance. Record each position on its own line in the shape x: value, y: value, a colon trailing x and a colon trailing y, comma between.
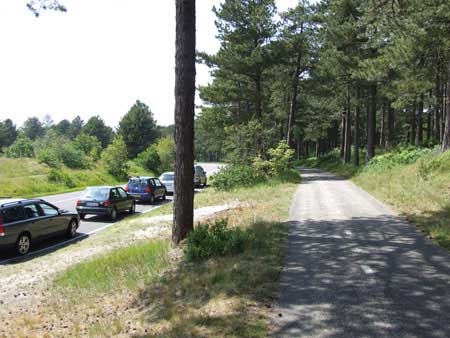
x: 360, y: 76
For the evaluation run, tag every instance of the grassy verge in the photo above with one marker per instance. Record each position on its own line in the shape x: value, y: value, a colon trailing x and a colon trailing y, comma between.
x: 147, y: 290
x: 27, y: 178
x: 419, y: 188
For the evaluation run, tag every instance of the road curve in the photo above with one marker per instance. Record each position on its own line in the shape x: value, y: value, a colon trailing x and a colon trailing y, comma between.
x: 356, y: 269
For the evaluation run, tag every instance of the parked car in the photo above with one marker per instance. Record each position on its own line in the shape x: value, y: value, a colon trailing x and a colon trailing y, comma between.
x: 168, y: 179
x: 23, y: 222
x: 108, y: 201
x: 146, y: 189
x: 200, y: 179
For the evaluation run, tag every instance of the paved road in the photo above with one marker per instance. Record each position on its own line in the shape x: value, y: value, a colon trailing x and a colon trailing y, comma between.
x: 355, y: 269
x: 95, y: 223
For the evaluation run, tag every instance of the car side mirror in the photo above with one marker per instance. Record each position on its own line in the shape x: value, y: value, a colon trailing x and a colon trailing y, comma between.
x: 62, y: 211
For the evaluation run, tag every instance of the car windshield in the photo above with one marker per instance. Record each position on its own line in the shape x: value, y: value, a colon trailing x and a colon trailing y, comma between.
x: 96, y: 193
x: 137, y: 182
x: 167, y: 177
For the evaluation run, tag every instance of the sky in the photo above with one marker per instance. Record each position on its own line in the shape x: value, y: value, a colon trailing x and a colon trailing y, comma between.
x: 98, y: 58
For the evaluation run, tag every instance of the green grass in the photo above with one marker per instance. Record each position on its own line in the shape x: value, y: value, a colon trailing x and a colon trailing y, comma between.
x: 128, y: 267
x: 415, y: 182
x: 145, y: 289
x: 25, y: 177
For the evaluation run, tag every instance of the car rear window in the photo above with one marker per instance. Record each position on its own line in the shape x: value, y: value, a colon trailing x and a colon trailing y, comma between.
x: 14, y: 214
x: 167, y: 177
x: 137, y: 183
x: 96, y: 193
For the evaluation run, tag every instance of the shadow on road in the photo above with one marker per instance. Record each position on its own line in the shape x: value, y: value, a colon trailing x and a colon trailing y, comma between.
x: 328, y: 291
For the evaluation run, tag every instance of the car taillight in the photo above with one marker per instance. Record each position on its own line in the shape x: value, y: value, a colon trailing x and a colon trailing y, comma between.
x: 147, y: 189
x: 126, y: 188
x: 2, y: 228
x: 78, y: 203
x: 107, y: 203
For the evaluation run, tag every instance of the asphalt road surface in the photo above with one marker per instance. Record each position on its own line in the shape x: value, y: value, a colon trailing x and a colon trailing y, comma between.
x: 93, y: 223
x: 355, y: 269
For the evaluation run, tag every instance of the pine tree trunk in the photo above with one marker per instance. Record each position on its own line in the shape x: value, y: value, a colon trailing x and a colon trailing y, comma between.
x: 412, y: 128
x: 293, y: 104
x: 342, y: 145
x: 382, y: 125
x: 390, y: 126
x: 420, y: 122
x: 429, y: 115
x: 437, y: 109
x: 357, y: 113
x: 371, y: 123
x: 183, y: 207
x: 348, y: 130
x: 446, y: 136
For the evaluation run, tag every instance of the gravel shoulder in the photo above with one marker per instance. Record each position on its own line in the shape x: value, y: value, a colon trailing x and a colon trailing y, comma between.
x: 354, y: 268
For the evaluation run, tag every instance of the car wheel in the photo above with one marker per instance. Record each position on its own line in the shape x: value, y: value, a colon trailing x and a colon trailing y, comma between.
x: 204, y: 184
x: 133, y: 208
x: 82, y: 216
x: 152, y: 199
x: 113, y: 215
x: 164, y: 196
x: 23, y: 244
x: 72, y: 229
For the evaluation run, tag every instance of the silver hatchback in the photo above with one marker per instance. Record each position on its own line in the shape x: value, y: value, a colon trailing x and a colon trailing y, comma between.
x: 168, y: 179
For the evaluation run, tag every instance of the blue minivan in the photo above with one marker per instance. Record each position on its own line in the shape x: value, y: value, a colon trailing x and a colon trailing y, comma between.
x: 146, y: 189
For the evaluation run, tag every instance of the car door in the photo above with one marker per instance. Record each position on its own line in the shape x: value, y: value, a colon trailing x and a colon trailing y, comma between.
x: 161, y: 188
x: 126, y: 201
x: 115, y: 199
x: 39, y: 226
x: 50, y: 213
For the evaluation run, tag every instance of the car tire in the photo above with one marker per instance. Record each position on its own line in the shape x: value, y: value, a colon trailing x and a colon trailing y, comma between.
x: 82, y: 216
x: 164, y: 196
x: 113, y: 215
x: 152, y: 199
x: 23, y: 244
x: 72, y: 229
x: 204, y: 184
x: 132, y: 210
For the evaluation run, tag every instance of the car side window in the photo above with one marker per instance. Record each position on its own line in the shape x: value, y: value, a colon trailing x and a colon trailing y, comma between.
x: 158, y: 182
x: 48, y: 210
x: 31, y: 211
x: 151, y: 182
x: 14, y: 214
x: 114, y: 195
x: 122, y: 193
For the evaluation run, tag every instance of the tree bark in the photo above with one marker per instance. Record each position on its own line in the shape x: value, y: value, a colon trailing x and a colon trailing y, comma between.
x: 437, y: 110
x: 371, y: 123
x: 183, y: 207
x: 342, y: 145
x: 412, y: 127
x: 382, y: 126
x: 357, y: 114
x: 419, y: 141
x: 446, y: 136
x: 429, y: 115
x: 293, y: 104
x: 390, y: 126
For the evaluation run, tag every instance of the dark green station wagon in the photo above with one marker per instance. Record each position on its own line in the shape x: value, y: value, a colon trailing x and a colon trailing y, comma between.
x: 24, y: 222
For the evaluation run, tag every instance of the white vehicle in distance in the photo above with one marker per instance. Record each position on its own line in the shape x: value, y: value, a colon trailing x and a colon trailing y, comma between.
x: 168, y: 179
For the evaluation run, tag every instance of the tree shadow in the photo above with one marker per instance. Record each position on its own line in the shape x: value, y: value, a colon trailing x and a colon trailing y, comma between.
x: 362, y: 277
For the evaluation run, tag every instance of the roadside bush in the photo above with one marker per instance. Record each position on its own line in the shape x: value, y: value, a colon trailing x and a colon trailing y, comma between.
x: 115, y: 158
x: 72, y: 157
x: 149, y: 159
x: 22, y: 147
x: 60, y: 176
x: 89, y: 145
x: 214, y: 240
x: 401, y: 156
x: 235, y: 175
x: 49, y: 157
x: 280, y: 158
x: 165, y: 149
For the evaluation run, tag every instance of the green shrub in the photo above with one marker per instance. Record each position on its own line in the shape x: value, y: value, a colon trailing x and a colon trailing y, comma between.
x: 280, y: 158
x: 149, y: 159
x: 22, y: 147
x: 166, y: 152
x: 115, y: 158
x: 49, y: 157
x: 401, y: 156
x: 72, y: 157
x: 59, y: 176
x: 214, y: 240
x: 235, y: 175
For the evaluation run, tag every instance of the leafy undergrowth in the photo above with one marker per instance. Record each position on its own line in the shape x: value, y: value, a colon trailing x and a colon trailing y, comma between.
x: 26, y: 177
x: 416, y: 182
x: 147, y: 290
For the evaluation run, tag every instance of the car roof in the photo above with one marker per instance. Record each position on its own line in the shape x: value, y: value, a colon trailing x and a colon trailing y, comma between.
x: 12, y: 201
x: 142, y: 177
x: 101, y: 187
x: 168, y: 173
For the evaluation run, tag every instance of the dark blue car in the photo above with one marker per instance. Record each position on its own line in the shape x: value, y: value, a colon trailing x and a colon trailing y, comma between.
x: 146, y: 189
